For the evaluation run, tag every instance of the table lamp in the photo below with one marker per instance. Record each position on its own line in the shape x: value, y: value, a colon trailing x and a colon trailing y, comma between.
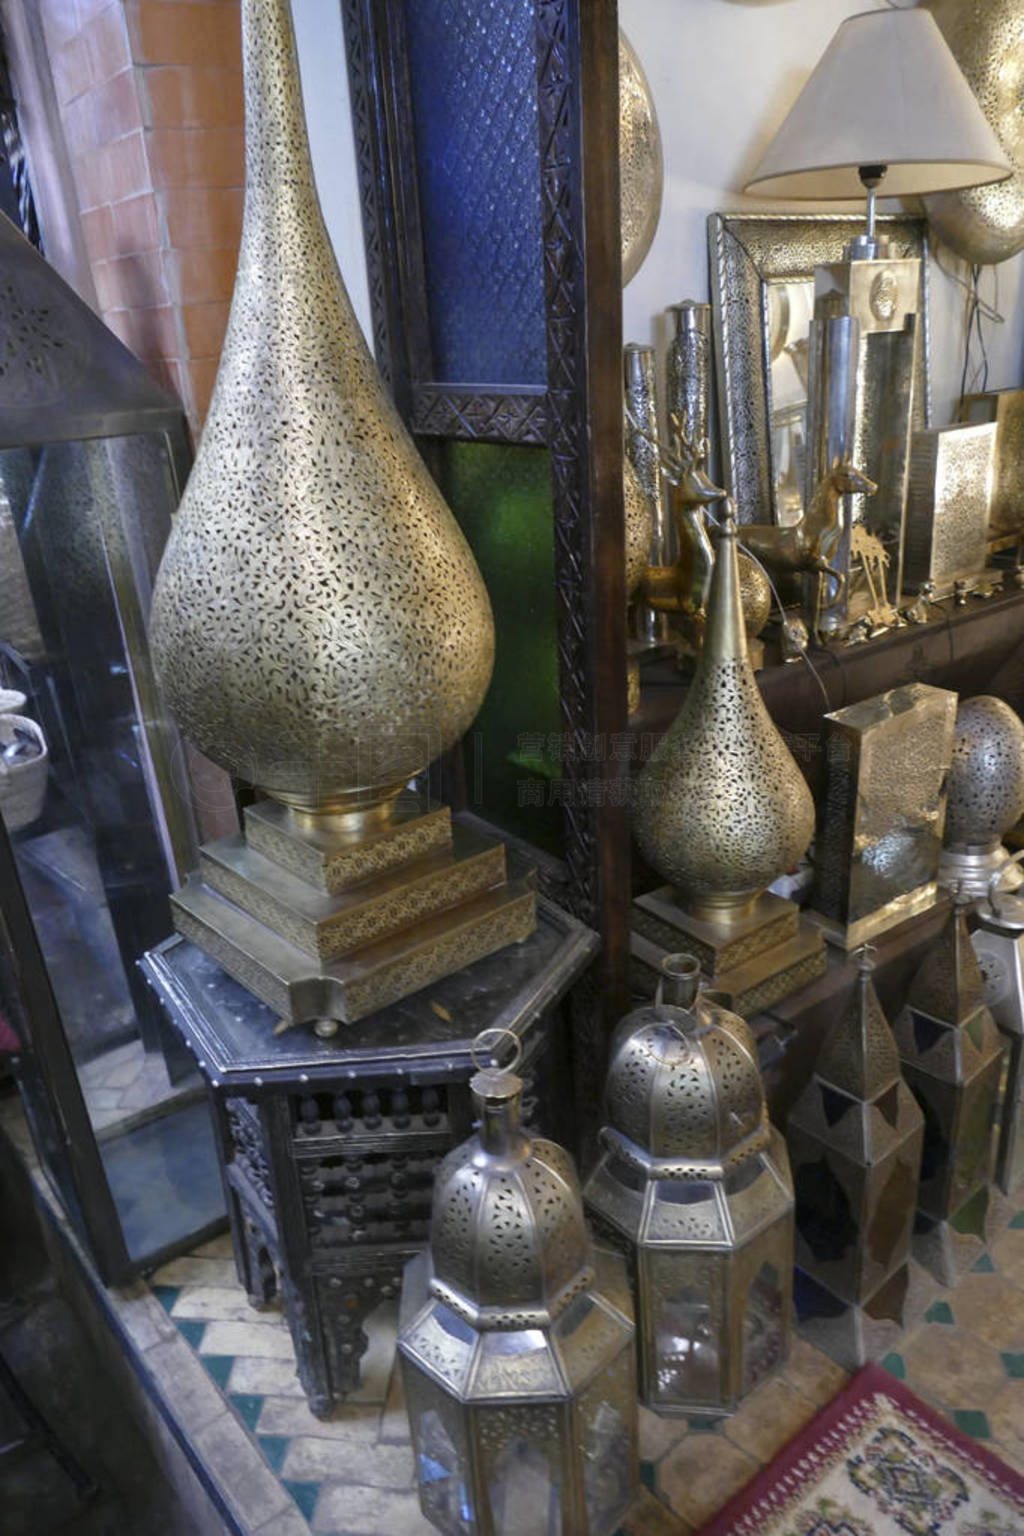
x: 886, y: 106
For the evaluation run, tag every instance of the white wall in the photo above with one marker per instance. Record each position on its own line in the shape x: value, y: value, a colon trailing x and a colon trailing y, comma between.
x: 723, y: 74
x: 321, y: 49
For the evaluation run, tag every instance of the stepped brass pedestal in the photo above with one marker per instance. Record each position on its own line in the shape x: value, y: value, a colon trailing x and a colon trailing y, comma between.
x: 326, y: 925
x: 758, y: 956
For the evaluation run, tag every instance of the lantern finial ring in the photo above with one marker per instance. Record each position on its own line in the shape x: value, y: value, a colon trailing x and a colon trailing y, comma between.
x: 487, y: 1040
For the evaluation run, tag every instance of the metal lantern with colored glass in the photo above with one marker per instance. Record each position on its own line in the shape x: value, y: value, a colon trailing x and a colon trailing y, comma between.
x: 694, y: 1183
x: 516, y: 1341
x: 952, y: 1061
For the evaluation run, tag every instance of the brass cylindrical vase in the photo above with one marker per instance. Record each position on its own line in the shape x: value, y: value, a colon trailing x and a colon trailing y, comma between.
x: 722, y: 808
x: 688, y: 369
x: 319, y: 625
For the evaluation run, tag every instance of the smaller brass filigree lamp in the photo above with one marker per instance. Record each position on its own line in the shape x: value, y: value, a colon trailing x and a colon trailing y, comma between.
x: 952, y: 1060
x: 721, y: 811
x: 516, y: 1341
x: 854, y: 1138
x: 694, y: 1184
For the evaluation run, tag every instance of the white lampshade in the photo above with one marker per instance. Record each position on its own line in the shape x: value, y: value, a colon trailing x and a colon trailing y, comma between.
x: 887, y: 91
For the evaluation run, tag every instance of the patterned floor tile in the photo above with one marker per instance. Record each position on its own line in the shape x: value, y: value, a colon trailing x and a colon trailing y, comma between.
x: 1006, y: 1419
x: 192, y: 1333
x: 813, y: 1374
x: 216, y: 1303
x: 166, y: 1295
x: 191, y: 1270
x: 895, y: 1365
x: 952, y: 1368
x: 248, y: 1406
x: 1007, y: 1251
x: 290, y: 1416
x: 1017, y: 1221
x: 219, y: 1368
x: 268, y: 1341
x: 939, y: 1312
x: 304, y: 1494
x: 271, y: 1378
x: 701, y: 1474
x: 659, y: 1433
x: 274, y: 1448
x: 972, y: 1422
x: 984, y: 1266
x: 362, y: 1511
x: 310, y: 1459
x: 768, y: 1419
x: 993, y: 1308
x: 1013, y: 1365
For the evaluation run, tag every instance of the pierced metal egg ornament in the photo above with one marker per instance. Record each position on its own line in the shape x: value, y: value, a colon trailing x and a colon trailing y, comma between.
x: 516, y: 1340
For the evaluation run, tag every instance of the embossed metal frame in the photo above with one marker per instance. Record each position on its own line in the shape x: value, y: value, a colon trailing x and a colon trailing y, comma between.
x: 578, y: 416
x: 746, y: 251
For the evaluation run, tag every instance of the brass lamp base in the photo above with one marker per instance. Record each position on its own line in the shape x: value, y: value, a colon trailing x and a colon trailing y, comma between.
x: 326, y: 926
x: 861, y: 930
x: 758, y: 956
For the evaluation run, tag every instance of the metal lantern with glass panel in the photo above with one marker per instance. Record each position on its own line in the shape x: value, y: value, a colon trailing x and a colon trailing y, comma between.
x: 516, y: 1340
x: 952, y: 1060
x: 694, y: 1184
x: 94, y: 789
x: 887, y: 107
x: 854, y: 1138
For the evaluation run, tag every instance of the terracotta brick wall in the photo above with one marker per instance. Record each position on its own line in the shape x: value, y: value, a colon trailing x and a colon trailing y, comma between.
x: 150, y: 98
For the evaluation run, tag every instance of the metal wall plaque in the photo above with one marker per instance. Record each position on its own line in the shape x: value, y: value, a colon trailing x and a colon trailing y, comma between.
x: 1006, y: 408
x: 950, y: 492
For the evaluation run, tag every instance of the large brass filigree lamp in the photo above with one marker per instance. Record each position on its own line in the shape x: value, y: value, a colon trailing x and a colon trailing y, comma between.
x: 319, y: 624
x: 721, y: 811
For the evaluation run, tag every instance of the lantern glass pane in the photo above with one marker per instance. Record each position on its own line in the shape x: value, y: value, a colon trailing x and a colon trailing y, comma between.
x: 761, y: 1281
x: 604, y: 1419
x: 686, y: 1211
x: 588, y: 1337
x: 520, y: 1466
x: 442, y: 1459
x: 688, y: 1327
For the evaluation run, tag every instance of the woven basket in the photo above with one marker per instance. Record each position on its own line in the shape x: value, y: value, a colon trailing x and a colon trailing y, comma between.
x: 22, y: 785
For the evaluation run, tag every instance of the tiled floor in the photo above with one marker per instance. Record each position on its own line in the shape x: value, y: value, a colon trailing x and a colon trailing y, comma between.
x: 354, y: 1475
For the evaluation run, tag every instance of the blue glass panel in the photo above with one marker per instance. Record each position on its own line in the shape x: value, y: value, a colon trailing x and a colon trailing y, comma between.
x: 474, y: 97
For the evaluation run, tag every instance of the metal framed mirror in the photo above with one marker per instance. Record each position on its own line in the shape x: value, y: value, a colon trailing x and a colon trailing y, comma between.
x: 762, y: 299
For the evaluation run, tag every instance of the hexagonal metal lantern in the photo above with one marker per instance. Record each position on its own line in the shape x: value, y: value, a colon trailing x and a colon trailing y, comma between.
x: 694, y: 1185
x: 516, y: 1343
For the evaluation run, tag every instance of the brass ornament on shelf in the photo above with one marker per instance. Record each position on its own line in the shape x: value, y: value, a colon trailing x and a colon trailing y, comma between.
x: 986, y: 224
x: 810, y: 546
x: 722, y: 808
x: 638, y: 527
x: 693, y: 1183
x: 320, y: 627
x: 641, y: 161
x: 319, y: 624
x: 516, y: 1340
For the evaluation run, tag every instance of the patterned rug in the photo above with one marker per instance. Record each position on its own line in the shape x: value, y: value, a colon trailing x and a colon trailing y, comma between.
x: 878, y: 1462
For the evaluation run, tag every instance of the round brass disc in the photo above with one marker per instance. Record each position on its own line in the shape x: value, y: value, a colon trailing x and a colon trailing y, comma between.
x: 641, y: 163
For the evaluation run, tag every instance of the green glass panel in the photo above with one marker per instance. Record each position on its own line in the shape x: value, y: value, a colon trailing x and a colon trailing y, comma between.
x: 501, y: 495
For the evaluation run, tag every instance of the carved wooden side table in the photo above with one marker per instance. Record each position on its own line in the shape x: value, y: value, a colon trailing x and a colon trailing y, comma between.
x: 328, y: 1147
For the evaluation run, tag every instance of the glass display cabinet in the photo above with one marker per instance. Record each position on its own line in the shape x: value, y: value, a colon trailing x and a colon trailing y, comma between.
x: 94, y: 784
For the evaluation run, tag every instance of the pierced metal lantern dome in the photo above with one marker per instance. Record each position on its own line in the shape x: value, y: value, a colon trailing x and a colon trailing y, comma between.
x: 516, y: 1341
x: 694, y: 1182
